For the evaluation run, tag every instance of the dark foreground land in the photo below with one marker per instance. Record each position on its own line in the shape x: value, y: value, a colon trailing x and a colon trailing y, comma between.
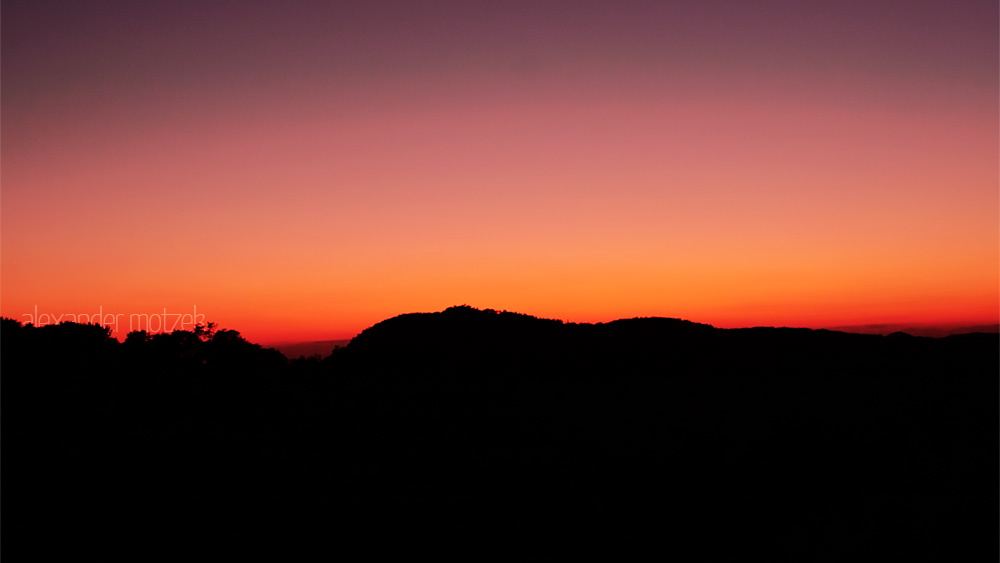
x: 663, y: 436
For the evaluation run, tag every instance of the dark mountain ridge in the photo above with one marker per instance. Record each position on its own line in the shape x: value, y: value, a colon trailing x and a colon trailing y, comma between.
x: 792, y: 444
x: 321, y: 348
x: 467, y: 331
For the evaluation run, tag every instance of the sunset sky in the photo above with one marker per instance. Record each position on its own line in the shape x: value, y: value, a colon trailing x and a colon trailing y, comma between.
x: 303, y: 170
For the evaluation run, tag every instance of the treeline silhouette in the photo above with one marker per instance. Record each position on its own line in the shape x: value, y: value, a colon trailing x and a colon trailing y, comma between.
x: 777, y: 443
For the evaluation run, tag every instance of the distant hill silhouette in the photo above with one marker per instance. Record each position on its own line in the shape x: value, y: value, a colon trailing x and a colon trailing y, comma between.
x: 935, y: 331
x: 321, y: 348
x: 705, y: 444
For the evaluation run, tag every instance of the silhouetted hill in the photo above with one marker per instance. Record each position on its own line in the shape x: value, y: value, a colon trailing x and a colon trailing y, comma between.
x: 935, y: 331
x: 672, y: 345
x: 706, y: 444
x: 471, y: 332
x: 321, y: 348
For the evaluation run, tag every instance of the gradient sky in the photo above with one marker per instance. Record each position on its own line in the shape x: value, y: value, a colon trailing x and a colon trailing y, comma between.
x: 302, y: 170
